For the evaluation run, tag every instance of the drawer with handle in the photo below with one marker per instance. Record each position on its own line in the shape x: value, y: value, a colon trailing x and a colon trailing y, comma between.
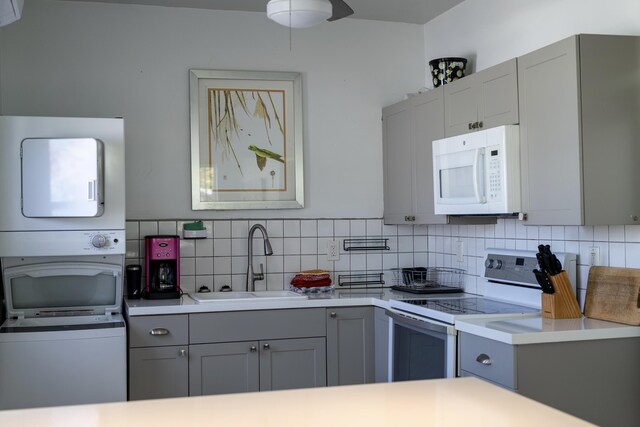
x: 488, y: 359
x: 150, y: 331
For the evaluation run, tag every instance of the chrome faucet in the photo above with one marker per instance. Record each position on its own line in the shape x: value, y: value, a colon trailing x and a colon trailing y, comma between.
x: 251, y: 276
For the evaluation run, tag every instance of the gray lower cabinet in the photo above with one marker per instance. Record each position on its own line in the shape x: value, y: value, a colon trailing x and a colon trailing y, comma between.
x: 241, y: 351
x: 293, y: 363
x: 224, y: 368
x: 158, y: 356
x: 597, y: 380
x: 579, y: 131
x: 245, y: 366
x: 350, y: 345
x: 158, y: 372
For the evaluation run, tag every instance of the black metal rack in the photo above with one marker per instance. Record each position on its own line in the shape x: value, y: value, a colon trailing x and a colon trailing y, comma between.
x: 366, y: 244
x: 361, y: 279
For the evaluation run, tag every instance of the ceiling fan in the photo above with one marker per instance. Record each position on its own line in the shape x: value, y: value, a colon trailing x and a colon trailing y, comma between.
x: 306, y: 13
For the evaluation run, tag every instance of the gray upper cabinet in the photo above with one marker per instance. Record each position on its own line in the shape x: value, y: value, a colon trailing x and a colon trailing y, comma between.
x: 350, y: 346
x: 579, y: 131
x: 486, y: 99
x: 397, y: 160
x: 409, y: 127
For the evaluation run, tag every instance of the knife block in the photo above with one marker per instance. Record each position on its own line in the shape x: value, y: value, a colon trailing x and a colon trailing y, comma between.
x: 562, y: 304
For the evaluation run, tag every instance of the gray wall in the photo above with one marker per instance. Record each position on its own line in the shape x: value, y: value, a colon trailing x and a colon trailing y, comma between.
x: 94, y: 59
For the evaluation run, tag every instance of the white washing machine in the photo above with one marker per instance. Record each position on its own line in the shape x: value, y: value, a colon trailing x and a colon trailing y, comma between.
x: 64, y: 341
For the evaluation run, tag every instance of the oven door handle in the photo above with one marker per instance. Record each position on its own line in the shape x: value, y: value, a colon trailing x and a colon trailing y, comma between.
x: 428, y: 324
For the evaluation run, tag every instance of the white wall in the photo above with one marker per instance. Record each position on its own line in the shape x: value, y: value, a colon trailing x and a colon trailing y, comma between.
x: 488, y: 32
x: 93, y: 59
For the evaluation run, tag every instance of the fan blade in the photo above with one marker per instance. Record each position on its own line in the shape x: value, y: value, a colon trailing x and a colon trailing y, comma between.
x: 340, y: 10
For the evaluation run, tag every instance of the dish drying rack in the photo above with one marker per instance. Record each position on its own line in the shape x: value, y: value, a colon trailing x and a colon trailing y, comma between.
x: 428, y: 280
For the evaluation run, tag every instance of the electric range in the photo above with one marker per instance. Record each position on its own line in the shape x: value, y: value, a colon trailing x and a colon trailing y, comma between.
x: 422, y: 334
x: 507, y: 288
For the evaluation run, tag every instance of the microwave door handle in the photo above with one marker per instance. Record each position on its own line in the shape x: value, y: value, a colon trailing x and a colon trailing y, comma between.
x: 478, y: 174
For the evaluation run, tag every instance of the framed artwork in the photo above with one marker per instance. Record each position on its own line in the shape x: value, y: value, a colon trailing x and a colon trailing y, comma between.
x: 246, y: 140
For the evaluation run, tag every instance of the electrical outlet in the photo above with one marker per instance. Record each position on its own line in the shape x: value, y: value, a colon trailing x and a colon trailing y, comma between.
x: 333, y: 250
x: 594, y: 255
x: 459, y: 251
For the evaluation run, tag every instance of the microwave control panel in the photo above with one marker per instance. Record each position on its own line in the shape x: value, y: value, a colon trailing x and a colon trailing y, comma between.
x: 494, y: 175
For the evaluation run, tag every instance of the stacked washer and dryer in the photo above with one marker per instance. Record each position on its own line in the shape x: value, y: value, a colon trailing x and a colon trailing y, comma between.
x: 62, y: 245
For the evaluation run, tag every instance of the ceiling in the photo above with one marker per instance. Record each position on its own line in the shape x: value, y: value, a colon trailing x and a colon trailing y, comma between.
x: 407, y: 11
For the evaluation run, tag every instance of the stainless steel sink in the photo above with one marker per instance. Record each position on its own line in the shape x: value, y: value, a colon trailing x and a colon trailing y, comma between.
x: 245, y: 296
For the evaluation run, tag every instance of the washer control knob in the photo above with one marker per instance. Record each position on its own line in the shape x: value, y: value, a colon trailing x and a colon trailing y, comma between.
x: 99, y: 241
x: 488, y: 263
x: 498, y: 264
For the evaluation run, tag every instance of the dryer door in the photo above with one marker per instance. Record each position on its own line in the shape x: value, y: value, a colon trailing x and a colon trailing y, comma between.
x: 62, y: 177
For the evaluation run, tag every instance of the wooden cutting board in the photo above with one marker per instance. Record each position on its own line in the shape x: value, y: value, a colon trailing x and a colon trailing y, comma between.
x: 613, y: 294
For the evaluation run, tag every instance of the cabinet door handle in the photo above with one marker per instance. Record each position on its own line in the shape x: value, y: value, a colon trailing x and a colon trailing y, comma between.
x: 470, y: 126
x: 333, y: 314
x: 159, y: 331
x: 182, y: 352
x: 484, y: 359
x: 412, y: 218
x: 253, y: 349
x: 480, y: 125
x: 266, y: 346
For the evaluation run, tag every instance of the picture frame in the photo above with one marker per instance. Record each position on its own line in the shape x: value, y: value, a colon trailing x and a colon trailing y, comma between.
x: 246, y: 140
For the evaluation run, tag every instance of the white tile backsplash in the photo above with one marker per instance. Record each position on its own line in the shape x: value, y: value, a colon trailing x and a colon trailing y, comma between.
x: 358, y: 228
x: 301, y: 244
x: 132, y: 230
x: 325, y: 228
x: 292, y: 228
x: 204, y: 247
x: 148, y: 228
x: 221, y: 229
x: 167, y: 228
x: 222, y: 247
x: 308, y: 228
x: 341, y: 228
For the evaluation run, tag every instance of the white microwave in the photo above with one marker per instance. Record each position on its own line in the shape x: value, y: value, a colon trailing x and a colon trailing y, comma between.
x: 478, y: 173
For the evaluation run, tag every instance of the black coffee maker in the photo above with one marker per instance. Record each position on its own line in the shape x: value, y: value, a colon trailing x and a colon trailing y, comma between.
x: 162, y: 267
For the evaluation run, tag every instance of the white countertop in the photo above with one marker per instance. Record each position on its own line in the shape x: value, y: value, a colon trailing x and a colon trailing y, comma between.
x: 529, y: 329
x: 450, y: 402
x: 537, y: 330
x: 343, y: 297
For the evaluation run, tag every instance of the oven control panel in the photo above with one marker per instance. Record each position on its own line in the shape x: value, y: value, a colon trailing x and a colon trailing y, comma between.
x: 516, y: 266
x: 511, y: 268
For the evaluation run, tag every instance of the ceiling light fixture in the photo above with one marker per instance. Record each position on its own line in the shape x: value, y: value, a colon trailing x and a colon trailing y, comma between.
x: 299, y: 13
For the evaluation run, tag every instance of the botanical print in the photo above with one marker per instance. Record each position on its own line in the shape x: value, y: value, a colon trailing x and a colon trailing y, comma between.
x: 247, y: 140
